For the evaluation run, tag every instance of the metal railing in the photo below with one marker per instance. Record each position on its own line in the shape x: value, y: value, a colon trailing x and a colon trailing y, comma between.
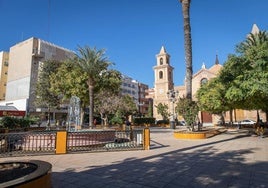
x: 104, y: 140
x: 44, y: 142
x: 23, y: 143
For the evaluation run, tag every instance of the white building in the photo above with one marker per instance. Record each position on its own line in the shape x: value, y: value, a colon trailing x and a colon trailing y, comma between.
x: 25, y: 59
x: 138, y: 91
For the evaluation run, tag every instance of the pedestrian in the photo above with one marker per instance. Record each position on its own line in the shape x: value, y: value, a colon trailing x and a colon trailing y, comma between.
x: 128, y: 124
x: 95, y: 122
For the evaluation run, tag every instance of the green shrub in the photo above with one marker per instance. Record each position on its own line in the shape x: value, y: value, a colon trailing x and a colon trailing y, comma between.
x: 116, y: 120
x: 13, y: 122
x: 159, y: 122
x: 144, y: 120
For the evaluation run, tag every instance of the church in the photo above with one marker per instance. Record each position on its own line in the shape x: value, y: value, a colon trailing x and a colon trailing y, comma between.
x: 164, y: 85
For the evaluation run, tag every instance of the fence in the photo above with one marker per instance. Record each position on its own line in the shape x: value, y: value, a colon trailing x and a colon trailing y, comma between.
x: 51, y: 142
x: 104, y: 140
x: 14, y: 144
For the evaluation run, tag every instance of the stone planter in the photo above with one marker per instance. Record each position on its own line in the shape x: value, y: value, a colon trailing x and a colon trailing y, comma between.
x: 28, y: 174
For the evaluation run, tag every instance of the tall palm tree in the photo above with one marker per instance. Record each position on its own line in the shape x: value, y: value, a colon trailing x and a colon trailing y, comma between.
x: 187, y: 46
x: 93, y: 62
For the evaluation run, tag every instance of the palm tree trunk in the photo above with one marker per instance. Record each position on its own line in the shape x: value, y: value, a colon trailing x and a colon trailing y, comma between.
x: 187, y: 46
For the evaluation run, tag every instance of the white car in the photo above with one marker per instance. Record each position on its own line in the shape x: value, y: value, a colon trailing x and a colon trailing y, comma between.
x: 246, y: 122
x: 181, y: 123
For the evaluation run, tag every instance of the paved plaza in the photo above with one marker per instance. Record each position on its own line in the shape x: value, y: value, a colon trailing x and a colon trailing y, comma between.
x: 232, y: 159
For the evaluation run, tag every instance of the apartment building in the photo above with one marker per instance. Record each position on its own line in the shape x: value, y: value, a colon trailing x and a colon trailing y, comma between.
x: 143, y: 103
x: 25, y: 59
x: 137, y: 90
x: 4, y: 56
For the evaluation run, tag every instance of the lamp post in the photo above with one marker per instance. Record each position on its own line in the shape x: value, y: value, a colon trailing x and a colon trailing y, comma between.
x: 172, y: 96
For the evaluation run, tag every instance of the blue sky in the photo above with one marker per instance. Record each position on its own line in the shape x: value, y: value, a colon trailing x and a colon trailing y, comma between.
x: 133, y: 31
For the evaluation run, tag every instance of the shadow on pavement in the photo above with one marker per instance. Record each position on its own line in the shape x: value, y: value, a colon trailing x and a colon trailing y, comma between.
x: 211, y: 164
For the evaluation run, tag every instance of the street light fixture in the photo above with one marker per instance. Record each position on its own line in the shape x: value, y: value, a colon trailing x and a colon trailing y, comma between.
x: 172, y: 96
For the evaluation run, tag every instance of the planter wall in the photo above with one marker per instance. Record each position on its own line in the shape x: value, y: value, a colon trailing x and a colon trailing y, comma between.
x: 197, y: 135
x: 40, y: 177
x: 189, y: 135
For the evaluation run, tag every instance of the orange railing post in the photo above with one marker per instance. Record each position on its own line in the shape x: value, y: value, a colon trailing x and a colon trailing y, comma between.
x: 146, y: 138
x: 61, y: 142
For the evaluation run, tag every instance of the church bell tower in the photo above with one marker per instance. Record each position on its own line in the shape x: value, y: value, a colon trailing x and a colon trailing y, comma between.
x: 163, y: 75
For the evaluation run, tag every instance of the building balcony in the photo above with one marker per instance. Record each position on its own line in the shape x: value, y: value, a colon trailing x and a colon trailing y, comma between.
x: 37, y: 53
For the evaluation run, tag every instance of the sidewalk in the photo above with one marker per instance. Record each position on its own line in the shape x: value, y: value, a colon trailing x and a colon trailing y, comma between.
x: 232, y: 159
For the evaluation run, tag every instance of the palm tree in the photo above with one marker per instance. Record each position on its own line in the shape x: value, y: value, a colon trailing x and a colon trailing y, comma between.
x: 93, y: 62
x: 187, y: 46
x: 253, y: 44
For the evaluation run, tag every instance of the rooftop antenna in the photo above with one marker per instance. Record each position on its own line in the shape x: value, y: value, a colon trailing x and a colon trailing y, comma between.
x: 48, y: 19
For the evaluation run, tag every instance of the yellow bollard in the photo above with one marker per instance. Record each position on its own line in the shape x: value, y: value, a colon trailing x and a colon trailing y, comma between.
x: 146, y: 139
x: 61, y: 142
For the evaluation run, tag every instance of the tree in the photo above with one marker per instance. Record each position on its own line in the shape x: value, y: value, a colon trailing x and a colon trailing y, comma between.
x: 187, y: 46
x: 106, y: 103
x: 189, y: 110
x: 211, y: 98
x: 109, y: 81
x: 107, y: 88
x: 150, y: 109
x: 68, y: 81
x: 93, y: 62
x: 119, y: 107
x: 162, y: 109
x: 247, y: 73
x: 45, y: 96
x: 128, y: 106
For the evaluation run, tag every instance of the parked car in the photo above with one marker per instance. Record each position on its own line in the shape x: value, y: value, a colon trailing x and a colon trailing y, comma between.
x: 181, y: 123
x: 245, y: 122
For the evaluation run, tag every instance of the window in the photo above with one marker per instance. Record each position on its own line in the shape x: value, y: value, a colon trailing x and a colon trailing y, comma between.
x: 161, y: 61
x: 204, y: 81
x: 161, y: 75
x: 6, y: 63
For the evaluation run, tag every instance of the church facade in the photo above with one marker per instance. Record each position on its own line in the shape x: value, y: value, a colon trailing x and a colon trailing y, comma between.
x: 163, y: 83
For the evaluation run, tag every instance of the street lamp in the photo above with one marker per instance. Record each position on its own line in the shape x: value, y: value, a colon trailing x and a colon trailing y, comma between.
x: 172, y: 96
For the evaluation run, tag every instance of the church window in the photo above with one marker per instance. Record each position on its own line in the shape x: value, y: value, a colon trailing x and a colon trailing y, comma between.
x: 161, y: 75
x: 204, y: 81
x: 161, y: 61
